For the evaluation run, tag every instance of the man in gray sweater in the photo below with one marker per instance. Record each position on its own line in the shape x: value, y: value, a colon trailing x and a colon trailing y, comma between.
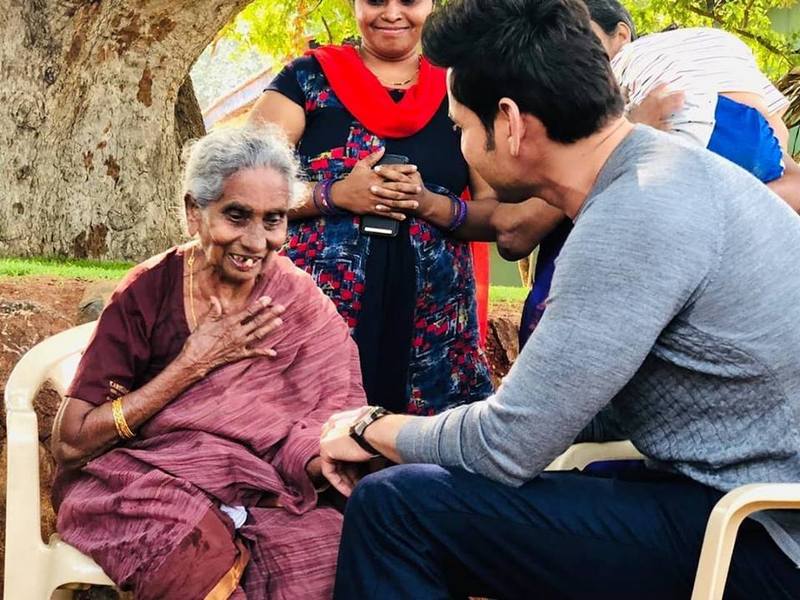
x: 675, y: 305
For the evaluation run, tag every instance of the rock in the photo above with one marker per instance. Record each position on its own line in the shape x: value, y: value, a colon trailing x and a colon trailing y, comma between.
x: 17, y: 307
x: 22, y: 326
x: 97, y: 592
x: 95, y: 297
x: 46, y: 406
x: 502, y: 346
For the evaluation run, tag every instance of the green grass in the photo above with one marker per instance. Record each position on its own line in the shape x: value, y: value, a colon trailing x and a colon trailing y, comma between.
x: 95, y: 269
x: 67, y: 269
x: 504, y: 293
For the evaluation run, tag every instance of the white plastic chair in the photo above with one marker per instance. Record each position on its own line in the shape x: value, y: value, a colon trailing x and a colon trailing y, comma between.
x: 723, y: 523
x: 34, y: 569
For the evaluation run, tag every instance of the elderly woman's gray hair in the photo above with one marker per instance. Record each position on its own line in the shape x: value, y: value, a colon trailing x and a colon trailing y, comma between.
x: 218, y: 155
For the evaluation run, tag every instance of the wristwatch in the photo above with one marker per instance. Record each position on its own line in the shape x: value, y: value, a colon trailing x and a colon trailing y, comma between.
x: 360, y: 425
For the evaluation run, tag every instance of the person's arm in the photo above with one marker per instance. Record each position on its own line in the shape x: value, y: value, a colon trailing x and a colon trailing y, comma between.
x: 774, y: 118
x: 299, y: 455
x: 275, y: 108
x: 521, y: 227
x: 788, y: 186
x: 619, y: 283
x: 82, y: 430
x: 478, y: 225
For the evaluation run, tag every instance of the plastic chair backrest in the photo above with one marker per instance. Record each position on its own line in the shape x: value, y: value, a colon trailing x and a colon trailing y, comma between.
x: 54, y: 359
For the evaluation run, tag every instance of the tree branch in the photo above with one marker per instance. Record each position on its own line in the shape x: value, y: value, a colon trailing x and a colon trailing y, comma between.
x: 328, y: 29
x: 312, y: 9
x: 748, y: 8
x: 766, y: 44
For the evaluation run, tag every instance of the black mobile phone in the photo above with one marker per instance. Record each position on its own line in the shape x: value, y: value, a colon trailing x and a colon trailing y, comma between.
x: 377, y: 225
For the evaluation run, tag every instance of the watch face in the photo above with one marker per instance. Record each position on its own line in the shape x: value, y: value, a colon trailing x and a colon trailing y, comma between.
x: 359, y: 426
x: 366, y: 420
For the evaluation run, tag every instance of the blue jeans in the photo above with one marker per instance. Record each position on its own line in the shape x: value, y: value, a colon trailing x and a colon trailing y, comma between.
x: 426, y: 532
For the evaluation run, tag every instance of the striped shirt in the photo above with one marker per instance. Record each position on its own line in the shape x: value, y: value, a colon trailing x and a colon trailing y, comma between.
x: 701, y: 62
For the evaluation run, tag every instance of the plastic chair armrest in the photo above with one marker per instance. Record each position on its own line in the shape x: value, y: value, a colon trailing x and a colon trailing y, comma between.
x: 578, y: 456
x: 723, y: 525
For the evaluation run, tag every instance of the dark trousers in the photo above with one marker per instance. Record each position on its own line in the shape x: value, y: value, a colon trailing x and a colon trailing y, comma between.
x: 425, y: 532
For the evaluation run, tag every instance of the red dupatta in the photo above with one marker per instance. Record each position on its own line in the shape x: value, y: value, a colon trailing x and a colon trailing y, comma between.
x: 371, y: 104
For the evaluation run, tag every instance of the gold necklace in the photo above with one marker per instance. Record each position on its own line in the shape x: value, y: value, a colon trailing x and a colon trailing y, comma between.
x: 190, y: 264
x: 399, y: 83
x: 394, y: 83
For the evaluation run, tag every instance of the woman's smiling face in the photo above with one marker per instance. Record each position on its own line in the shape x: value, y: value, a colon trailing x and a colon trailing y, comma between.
x: 248, y: 222
x: 392, y: 28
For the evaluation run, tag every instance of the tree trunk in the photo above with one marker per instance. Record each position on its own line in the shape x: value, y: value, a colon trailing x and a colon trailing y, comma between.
x: 90, y: 160
x: 188, y: 116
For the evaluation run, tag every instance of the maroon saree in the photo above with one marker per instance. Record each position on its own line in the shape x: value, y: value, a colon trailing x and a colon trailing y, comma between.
x: 148, y: 510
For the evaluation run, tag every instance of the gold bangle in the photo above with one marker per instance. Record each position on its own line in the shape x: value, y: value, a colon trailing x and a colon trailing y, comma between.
x: 120, y: 423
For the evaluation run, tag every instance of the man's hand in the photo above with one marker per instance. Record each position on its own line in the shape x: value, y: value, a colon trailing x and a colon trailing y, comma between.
x: 658, y: 108
x: 343, y: 459
x: 341, y: 456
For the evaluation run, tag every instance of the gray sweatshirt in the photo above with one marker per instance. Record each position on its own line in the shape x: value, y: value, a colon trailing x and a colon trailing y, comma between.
x: 676, y: 300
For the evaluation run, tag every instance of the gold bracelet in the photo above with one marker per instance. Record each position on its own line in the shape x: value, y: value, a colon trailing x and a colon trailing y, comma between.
x: 120, y: 423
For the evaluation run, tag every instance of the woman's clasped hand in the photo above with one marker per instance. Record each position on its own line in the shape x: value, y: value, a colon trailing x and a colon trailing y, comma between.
x: 393, y: 191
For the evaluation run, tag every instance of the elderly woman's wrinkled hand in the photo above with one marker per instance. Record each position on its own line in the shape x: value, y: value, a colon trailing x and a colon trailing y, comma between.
x: 222, y: 339
x: 355, y: 193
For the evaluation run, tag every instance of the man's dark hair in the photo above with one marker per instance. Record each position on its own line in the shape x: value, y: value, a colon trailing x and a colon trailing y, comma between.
x: 608, y: 14
x: 542, y: 54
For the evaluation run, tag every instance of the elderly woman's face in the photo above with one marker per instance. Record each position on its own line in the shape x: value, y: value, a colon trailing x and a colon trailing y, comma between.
x: 246, y: 224
x: 392, y: 28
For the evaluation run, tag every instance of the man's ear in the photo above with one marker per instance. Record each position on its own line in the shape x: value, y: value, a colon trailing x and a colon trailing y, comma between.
x: 192, y: 214
x: 514, y: 124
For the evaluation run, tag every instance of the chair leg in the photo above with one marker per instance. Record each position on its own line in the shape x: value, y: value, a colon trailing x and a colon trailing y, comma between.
x: 715, y: 557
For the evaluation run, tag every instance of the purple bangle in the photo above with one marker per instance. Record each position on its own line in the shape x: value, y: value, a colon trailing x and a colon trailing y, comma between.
x: 327, y: 198
x: 457, y: 205
x: 459, y: 212
x: 323, y: 200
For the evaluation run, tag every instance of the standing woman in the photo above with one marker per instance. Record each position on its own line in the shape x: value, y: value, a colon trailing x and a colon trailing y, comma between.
x: 409, y: 299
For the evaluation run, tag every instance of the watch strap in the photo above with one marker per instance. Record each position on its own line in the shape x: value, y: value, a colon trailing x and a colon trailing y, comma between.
x: 365, y: 445
x: 358, y: 428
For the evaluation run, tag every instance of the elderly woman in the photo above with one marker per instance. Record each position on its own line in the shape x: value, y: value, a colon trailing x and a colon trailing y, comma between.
x: 188, y: 441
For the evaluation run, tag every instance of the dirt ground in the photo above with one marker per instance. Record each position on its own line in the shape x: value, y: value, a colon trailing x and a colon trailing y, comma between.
x: 34, y: 308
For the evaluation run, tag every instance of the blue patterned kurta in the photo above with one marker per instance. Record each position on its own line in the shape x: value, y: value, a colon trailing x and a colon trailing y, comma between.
x: 446, y: 365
